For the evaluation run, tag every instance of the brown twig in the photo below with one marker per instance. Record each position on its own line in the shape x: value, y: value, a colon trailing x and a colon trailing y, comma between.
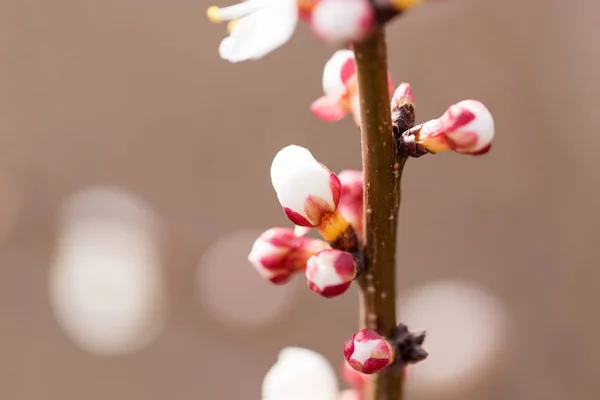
x: 382, y: 172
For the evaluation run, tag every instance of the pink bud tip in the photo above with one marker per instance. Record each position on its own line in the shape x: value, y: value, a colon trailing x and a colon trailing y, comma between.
x: 402, y: 95
x: 330, y: 272
x: 367, y: 352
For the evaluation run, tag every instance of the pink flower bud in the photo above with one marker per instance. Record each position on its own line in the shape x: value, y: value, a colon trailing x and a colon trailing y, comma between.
x: 308, y: 192
x: 368, y: 352
x: 330, y: 272
x: 278, y: 253
x: 355, y: 379
x: 340, y: 86
x: 402, y: 95
x: 466, y: 127
x: 351, y: 200
x: 341, y: 22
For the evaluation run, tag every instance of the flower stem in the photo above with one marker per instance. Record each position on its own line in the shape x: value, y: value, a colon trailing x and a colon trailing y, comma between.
x: 382, y: 171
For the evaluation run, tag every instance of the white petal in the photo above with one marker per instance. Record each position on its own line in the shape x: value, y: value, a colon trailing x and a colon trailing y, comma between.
x: 364, y: 350
x: 261, y: 32
x: 240, y: 10
x: 295, y: 175
x: 325, y: 273
x: 332, y: 79
x: 300, y: 374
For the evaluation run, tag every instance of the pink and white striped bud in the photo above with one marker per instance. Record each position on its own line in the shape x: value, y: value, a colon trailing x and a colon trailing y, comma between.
x: 340, y: 86
x: 278, y: 253
x: 355, y: 379
x: 308, y: 192
x: 368, y: 352
x: 330, y: 272
x: 351, y: 200
x: 341, y: 22
x: 466, y: 127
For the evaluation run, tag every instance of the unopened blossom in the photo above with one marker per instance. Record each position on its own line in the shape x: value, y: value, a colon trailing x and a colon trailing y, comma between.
x: 466, y: 127
x: 342, y: 22
x: 308, y: 192
x: 351, y: 200
x: 300, y: 374
x: 278, y: 253
x: 258, y: 26
x: 330, y: 272
x: 402, y: 95
x: 340, y: 88
x: 368, y: 352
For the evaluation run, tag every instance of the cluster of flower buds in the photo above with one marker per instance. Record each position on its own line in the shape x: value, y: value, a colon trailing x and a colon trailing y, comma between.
x: 368, y: 352
x: 312, y: 197
x: 257, y: 27
x: 466, y: 127
x: 340, y: 88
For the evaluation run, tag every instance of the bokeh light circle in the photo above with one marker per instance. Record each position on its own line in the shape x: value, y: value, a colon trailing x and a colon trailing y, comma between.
x: 466, y: 335
x: 105, y: 284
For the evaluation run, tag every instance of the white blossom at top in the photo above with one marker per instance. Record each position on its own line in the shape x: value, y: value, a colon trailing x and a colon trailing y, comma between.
x: 260, y: 27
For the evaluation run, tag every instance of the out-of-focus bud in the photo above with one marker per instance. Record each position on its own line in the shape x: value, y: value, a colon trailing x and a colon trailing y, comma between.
x: 341, y: 22
x: 340, y: 86
x: 278, y: 253
x: 351, y: 200
x: 355, y: 379
x: 330, y: 272
x: 368, y: 352
x: 300, y: 374
x: 466, y: 127
x: 308, y: 192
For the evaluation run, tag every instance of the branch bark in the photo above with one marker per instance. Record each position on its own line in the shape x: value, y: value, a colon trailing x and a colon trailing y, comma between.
x: 382, y: 172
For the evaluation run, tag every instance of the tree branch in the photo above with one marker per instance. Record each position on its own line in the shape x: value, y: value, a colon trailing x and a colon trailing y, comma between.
x: 382, y: 172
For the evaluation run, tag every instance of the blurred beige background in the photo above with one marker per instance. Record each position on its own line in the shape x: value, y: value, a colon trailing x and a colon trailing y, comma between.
x: 132, y: 94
